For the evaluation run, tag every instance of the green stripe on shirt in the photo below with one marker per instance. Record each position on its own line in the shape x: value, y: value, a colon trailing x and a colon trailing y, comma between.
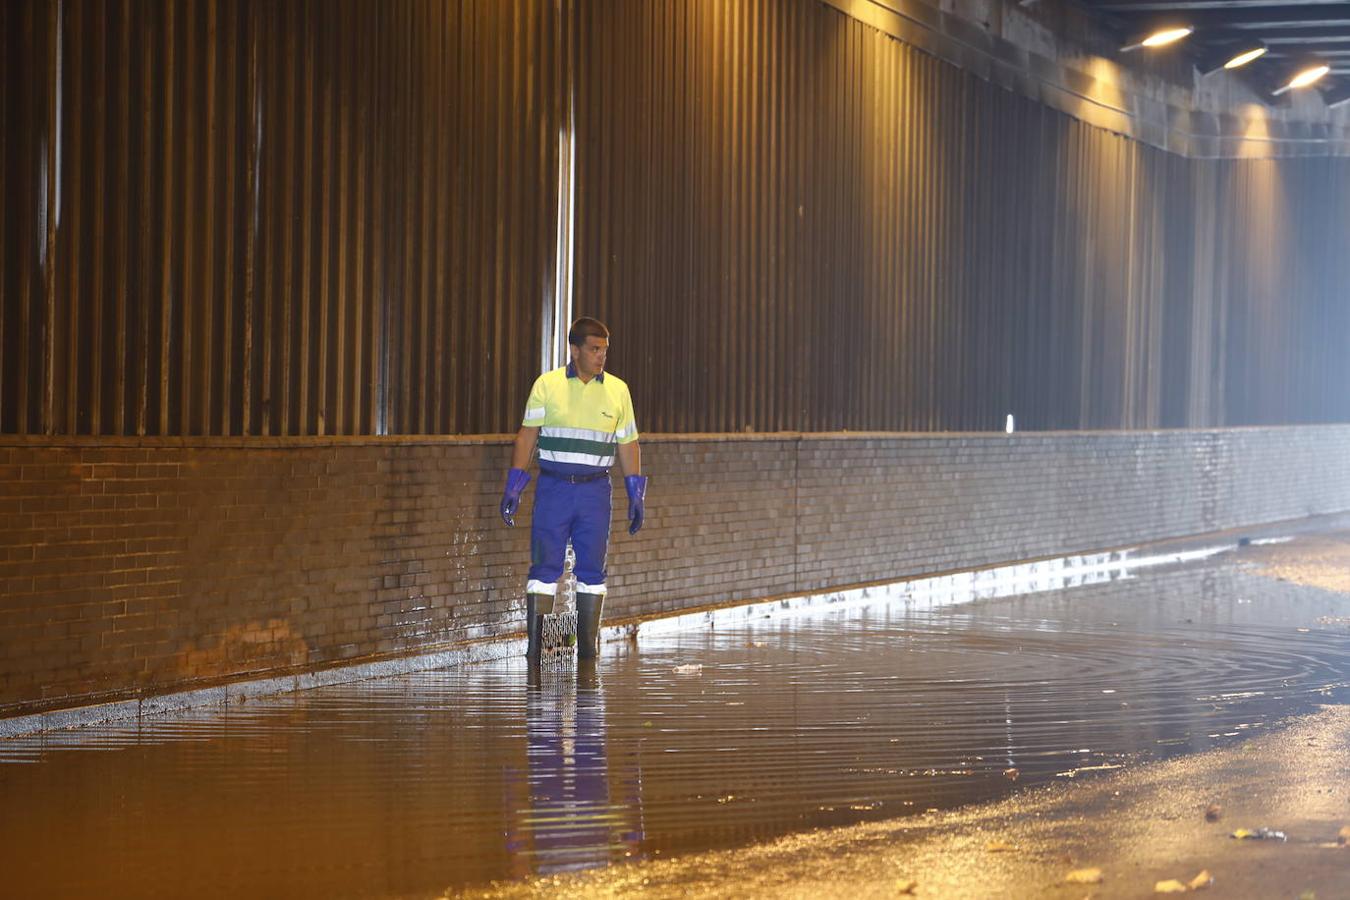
x: 577, y: 445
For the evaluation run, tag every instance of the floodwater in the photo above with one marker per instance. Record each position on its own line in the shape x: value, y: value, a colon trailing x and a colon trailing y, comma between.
x: 413, y: 785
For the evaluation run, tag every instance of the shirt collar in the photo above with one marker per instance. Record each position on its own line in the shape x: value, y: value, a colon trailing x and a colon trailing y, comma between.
x: 572, y: 373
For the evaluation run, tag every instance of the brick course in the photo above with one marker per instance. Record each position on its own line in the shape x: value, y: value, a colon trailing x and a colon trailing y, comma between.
x: 130, y: 568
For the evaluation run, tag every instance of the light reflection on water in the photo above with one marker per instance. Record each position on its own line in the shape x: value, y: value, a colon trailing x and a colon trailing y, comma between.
x: 414, y: 784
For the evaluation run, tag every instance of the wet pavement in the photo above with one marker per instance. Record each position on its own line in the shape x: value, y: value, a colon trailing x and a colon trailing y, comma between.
x: 1120, y: 836
x: 680, y: 745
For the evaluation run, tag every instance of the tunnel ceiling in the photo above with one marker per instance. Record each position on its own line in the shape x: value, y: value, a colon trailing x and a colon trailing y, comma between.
x: 1295, y: 35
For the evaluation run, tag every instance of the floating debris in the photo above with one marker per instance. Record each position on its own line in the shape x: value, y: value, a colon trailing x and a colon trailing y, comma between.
x: 689, y: 669
x: 1201, y: 881
x: 1170, y: 886
x: 1000, y: 847
x: 1213, y: 813
x: 1260, y: 834
x: 1084, y: 876
x: 1011, y: 774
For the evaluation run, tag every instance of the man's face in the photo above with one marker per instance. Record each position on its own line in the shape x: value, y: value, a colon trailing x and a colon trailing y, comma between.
x: 590, y: 356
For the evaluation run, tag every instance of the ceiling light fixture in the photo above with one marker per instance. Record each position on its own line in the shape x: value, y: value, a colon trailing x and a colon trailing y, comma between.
x: 1241, y: 59
x: 1160, y: 38
x: 1229, y: 56
x: 1304, y: 78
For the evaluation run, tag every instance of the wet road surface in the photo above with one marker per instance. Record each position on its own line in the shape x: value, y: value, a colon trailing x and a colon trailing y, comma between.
x: 1136, y: 827
x: 450, y: 779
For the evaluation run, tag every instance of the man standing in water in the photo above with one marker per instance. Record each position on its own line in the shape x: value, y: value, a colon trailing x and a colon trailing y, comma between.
x: 580, y: 417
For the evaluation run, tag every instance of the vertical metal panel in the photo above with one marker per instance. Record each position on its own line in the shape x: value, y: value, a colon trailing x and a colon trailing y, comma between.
x: 338, y: 218
x: 1282, y: 291
x: 274, y: 218
x: 793, y: 221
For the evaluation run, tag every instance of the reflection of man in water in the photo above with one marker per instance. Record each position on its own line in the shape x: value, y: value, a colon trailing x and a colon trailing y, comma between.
x: 571, y: 822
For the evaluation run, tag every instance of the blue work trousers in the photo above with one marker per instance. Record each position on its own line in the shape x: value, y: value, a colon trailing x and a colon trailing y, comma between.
x: 563, y: 511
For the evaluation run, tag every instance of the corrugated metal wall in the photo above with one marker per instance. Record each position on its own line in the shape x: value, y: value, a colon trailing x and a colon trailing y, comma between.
x: 317, y: 217
x: 339, y: 217
x: 792, y: 221
x: 1278, y: 302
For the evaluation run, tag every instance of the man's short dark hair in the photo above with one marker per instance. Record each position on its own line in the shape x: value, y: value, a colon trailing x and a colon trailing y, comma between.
x: 586, y: 327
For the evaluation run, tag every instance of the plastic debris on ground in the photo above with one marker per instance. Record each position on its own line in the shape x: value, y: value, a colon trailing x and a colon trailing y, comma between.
x: 1259, y: 834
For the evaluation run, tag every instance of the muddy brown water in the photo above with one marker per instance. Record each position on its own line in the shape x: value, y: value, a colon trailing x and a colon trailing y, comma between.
x: 450, y: 779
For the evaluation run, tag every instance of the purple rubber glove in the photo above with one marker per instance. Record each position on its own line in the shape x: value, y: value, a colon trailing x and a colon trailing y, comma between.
x: 516, y: 480
x: 636, y: 485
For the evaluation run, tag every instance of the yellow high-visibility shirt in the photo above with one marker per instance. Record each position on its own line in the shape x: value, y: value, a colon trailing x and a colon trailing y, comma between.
x: 580, y: 424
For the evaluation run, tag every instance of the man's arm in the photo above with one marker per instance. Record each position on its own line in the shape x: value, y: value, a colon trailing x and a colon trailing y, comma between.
x: 526, y: 438
x: 518, y: 478
x: 630, y: 458
x: 630, y: 462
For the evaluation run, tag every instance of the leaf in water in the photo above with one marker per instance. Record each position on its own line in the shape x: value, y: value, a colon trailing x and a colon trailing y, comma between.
x: 1203, y: 880
x: 999, y: 847
x: 1170, y: 886
x: 1084, y: 876
x: 907, y: 886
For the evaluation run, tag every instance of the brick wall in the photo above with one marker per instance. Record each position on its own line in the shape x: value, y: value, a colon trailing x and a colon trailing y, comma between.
x: 139, y: 567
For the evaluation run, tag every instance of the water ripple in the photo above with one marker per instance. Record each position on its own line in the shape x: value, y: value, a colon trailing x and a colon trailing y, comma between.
x: 413, y: 784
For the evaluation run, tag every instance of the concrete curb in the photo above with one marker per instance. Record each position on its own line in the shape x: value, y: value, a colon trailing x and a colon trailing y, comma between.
x: 241, y: 691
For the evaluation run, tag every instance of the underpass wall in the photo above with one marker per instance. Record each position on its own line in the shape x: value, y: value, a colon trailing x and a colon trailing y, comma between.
x: 136, y: 567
